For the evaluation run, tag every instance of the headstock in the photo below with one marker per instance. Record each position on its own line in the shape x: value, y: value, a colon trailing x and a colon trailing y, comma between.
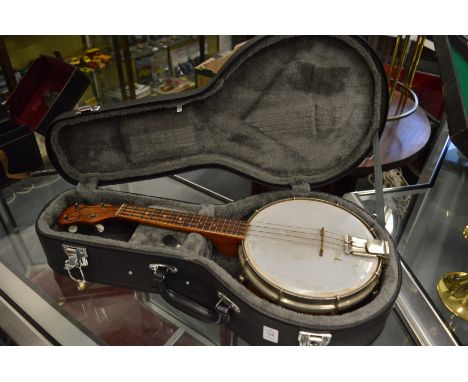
x: 86, y: 214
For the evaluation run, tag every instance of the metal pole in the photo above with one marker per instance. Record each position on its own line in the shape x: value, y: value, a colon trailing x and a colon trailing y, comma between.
x: 118, y: 62
x: 128, y: 66
x: 378, y: 183
x: 5, y: 64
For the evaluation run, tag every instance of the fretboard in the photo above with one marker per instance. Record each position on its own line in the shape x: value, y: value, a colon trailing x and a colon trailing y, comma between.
x: 182, y: 221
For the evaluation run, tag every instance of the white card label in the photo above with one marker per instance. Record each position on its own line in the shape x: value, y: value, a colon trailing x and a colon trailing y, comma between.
x: 270, y: 334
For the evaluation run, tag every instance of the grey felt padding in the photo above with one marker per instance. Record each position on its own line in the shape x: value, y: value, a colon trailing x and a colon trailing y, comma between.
x: 285, y: 109
x: 197, y: 249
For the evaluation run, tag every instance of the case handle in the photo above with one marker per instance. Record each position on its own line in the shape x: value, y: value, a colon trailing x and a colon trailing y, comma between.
x: 219, y: 315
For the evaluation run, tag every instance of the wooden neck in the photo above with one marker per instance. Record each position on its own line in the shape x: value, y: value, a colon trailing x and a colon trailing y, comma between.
x: 182, y: 221
x: 224, y: 233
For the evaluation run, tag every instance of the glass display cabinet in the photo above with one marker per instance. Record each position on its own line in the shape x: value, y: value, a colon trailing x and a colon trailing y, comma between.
x: 427, y: 219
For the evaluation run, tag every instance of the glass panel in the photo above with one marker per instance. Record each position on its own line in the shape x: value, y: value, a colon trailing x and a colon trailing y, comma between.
x: 430, y: 233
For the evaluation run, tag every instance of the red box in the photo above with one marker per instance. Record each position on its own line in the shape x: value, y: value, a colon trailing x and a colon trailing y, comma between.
x: 49, y: 88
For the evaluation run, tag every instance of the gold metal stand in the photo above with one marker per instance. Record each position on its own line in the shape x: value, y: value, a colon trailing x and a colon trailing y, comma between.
x: 405, y: 59
x: 453, y: 291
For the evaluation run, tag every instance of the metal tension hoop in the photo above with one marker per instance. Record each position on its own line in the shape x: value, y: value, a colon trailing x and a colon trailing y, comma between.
x: 366, y: 247
x: 77, y: 258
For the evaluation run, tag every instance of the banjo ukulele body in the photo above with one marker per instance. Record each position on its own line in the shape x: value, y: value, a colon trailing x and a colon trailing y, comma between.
x: 288, y: 267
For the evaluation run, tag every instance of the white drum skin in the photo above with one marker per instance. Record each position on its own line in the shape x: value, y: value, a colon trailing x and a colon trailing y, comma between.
x: 281, y: 256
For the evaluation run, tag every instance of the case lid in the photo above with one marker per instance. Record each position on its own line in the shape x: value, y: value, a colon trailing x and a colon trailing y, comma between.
x: 283, y: 110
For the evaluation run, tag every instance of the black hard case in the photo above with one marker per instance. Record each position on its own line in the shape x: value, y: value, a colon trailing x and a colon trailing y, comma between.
x: 262, y: 116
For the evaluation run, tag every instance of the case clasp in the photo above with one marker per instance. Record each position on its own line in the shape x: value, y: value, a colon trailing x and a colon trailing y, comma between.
x: 225, y: 304
x: 160, y: 270
x: 314, y: 339
x: 77, y: 258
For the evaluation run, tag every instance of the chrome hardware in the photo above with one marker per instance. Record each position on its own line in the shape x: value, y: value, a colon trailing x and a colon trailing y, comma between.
x: 228, y: 304
x: 366, y: 247
x: 87, y: 108
x: 77, y: 258
x: 314, y: 339
x: 72, y: 228
x: 99, y: 228
x: 160, y: 270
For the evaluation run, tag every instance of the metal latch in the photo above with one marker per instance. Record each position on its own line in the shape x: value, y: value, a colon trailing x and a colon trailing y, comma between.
x: 314, y: 339
x: 160, y: 270
x: 366, y: 247
x: 77, y: 258
x: 87, y: 108
x: 225, y: 304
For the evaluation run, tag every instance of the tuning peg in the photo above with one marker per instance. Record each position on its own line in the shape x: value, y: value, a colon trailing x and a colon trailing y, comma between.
x: 72, y: 228
x: 99, y: 228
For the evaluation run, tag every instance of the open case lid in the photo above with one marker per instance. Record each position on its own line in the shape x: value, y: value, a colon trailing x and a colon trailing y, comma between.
x: 283, y: 110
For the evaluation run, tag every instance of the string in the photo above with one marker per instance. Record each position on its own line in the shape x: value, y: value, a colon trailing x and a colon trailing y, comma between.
x: 173, y: 218
x: 246, y: 226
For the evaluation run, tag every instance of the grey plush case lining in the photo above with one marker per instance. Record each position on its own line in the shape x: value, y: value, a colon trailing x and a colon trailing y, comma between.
x: 284, y: 110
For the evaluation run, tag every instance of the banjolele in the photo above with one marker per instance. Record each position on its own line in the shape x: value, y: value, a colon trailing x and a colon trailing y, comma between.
x: 306, y: 254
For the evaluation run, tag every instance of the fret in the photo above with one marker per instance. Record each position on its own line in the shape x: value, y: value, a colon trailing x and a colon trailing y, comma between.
x: 120, y: 208
x: 154, y: 214
x: 161, y: 215
x: 201, y: 222
x: 177, y: 218
x: 143, y: 212
x: 238, y: 228
x: 151, y: 217
x: 235, y: 230
x: 223, y: 221
x: 229, y: 227
x: 131, y: 213
x: 182, y: 219
x: 191, y: 220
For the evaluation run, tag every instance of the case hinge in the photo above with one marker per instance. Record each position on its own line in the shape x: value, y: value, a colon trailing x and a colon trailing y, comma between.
x: 314, y: 339
x: 77, y: 258
x: 87, y: 108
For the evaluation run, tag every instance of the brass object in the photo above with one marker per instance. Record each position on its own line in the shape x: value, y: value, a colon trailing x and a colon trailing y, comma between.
x: 409, y: 76
x: 394, y: 56
x: 405, y: 58
x: 453, y: 291
x: 465, y: 232
x: 401, y: 60
x: 81, y: 285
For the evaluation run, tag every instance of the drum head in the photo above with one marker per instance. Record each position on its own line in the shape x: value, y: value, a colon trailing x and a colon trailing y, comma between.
x: 282, y: 247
